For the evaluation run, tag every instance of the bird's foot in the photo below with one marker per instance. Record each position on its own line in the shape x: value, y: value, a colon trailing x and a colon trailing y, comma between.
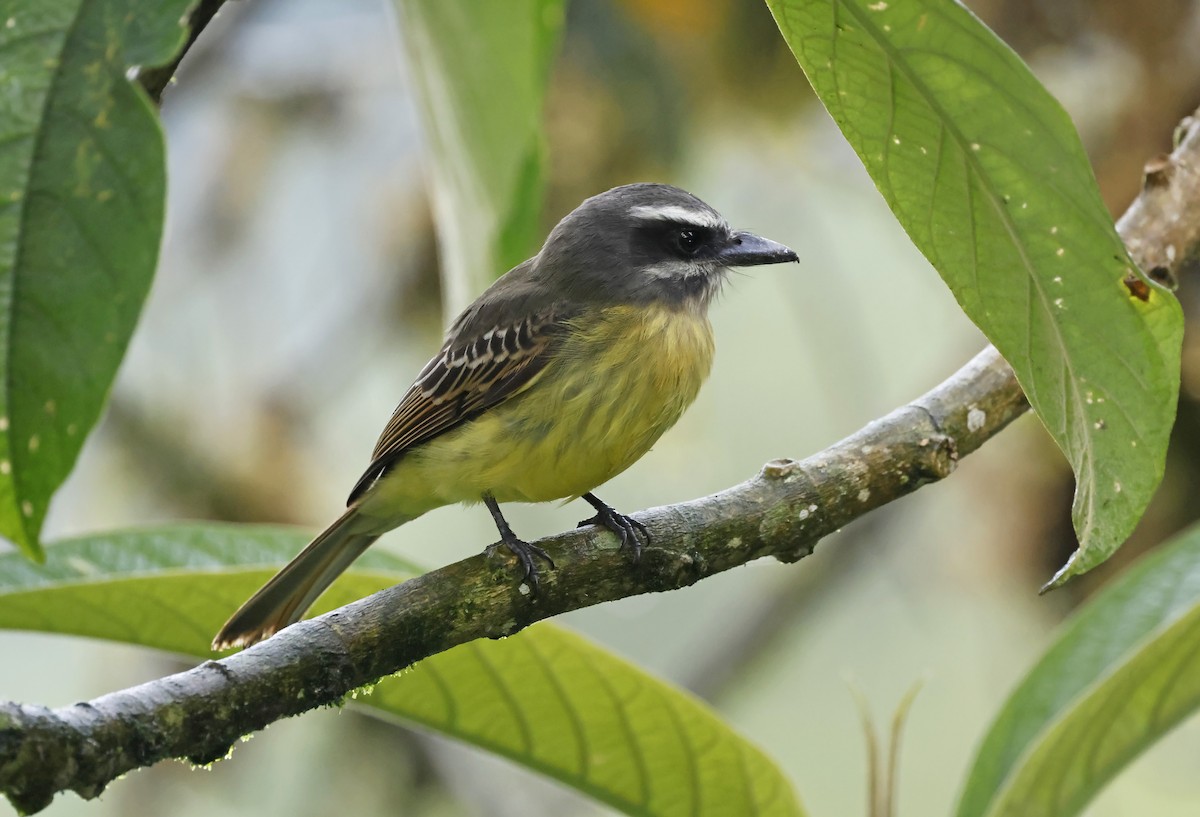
x: 524, y: 553
x: 518, y: 547
x: 625, y: 527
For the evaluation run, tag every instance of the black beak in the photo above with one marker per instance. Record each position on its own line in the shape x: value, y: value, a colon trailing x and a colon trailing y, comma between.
x: 750, y: 250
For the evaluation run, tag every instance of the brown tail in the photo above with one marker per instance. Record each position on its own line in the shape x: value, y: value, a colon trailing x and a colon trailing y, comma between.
x: 289, y: 594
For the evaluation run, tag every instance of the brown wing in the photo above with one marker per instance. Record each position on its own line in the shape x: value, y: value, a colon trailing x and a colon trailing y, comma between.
x: 464, y: 379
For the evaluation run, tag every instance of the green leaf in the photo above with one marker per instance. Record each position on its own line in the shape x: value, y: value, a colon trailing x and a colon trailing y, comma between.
x: 81, y: 212
x: 985, y: 172
x: 481, y: 69
x: 1124, y: 672
x: 545, y: 698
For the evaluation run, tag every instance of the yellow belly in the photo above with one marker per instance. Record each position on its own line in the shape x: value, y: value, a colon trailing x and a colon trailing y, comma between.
x: 619, y: 381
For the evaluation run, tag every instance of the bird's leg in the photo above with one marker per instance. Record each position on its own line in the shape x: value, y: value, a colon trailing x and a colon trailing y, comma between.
x: 625, y: 527
x: 520, y: 548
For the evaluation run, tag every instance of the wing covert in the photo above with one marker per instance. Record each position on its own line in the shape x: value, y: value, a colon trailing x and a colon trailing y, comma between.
x: 463, y: 379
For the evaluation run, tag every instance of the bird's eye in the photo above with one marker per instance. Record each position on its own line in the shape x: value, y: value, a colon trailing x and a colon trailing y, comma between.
x: 688, y: 241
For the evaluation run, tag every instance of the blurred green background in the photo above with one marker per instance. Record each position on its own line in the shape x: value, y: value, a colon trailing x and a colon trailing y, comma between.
x: 298, y: 294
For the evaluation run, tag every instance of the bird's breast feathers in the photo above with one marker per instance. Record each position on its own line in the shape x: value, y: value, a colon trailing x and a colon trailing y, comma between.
x: 619, y: 378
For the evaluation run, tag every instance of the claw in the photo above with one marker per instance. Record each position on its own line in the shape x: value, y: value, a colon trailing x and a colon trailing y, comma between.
x: 524, y: 553
x: 518, y: 547
x: 625, y: 527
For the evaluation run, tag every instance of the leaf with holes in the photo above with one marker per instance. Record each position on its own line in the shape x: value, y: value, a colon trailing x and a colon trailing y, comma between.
x: 545, y: 698
x: 985, y: 172
x: 81, y: 212
x: 481, y: 69
x: 1123, y: 672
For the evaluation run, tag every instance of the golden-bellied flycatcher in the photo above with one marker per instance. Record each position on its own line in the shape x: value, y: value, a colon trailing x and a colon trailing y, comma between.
x: 559, y: 377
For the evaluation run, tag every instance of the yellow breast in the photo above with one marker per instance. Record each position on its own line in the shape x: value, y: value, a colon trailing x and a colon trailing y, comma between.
x: 622, y: 377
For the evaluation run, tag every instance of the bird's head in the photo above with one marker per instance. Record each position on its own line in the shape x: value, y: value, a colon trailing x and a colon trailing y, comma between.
x: 646, y: 243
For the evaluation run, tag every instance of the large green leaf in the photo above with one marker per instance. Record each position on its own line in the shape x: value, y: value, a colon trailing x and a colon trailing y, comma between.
x: 481, y: 69
x: 985, y: 172
x: 545, y: 698
x: 1124, y: 671
x: 81, y: 212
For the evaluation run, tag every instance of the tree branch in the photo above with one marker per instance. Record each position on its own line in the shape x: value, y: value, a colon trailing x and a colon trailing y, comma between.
x: 783, y: 512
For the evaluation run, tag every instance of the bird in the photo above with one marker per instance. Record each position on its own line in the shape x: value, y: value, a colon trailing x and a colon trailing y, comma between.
x: 561, y: 375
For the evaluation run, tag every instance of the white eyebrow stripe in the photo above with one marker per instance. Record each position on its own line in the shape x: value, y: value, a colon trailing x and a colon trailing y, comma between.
x: 674, y: 212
